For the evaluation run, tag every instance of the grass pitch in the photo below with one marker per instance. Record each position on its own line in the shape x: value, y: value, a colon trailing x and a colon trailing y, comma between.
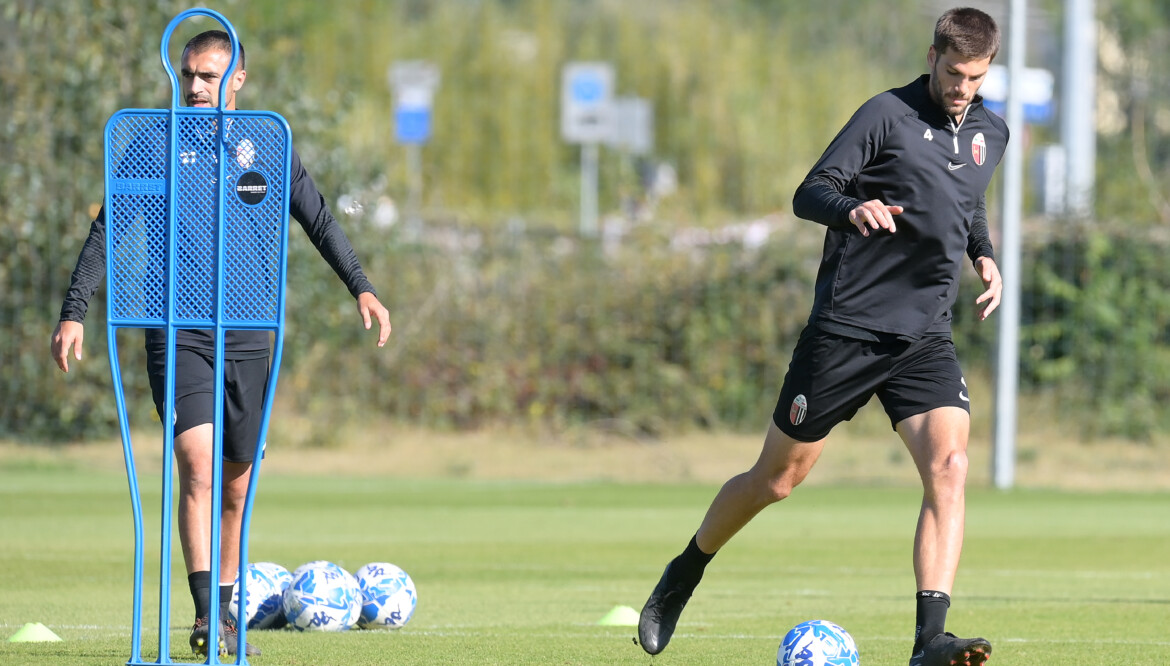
x: 519, y: 572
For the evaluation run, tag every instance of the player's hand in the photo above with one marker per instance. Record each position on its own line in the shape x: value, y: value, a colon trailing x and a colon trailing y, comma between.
x: 988, y: 301
x: 370, y: 308
x: 67, y: 334
x: 874, y: 214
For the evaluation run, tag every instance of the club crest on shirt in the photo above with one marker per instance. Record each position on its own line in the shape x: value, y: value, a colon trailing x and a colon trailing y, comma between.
x: 799, y: 409
x: 979, y: 149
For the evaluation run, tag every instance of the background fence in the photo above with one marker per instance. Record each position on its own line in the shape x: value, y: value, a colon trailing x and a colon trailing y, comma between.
x: 681, y: 314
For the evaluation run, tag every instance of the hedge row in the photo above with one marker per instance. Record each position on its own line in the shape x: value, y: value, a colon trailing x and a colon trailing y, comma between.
x: 657, y: 331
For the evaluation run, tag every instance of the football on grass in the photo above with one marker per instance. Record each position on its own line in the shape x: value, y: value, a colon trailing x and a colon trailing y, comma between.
x: 322, y: 597
x: 817, y: 643
x: 266, y: 582
x: 388, y: 596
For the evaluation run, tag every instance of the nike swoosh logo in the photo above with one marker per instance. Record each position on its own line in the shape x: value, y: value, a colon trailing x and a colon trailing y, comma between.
x: 951, y: 166
x: 963, y: 397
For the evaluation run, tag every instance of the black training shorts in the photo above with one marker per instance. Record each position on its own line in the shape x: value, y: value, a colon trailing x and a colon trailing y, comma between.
x: 832, y: 376
x: 244, y: 384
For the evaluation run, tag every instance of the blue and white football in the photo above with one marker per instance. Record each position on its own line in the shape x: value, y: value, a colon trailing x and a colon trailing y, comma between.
x: 322, y: 597
x: 817, y: 643
x: 388, y: 596
x: 266, y: 584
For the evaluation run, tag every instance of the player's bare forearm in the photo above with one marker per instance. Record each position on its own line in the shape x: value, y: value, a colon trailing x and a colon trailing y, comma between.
x: 988, y: 301
x: 370, y: 309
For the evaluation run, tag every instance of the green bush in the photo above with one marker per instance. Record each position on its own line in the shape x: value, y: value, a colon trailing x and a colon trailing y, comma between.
x: 549, y: 328
x: 501, y: 314
x: 1097, y: 309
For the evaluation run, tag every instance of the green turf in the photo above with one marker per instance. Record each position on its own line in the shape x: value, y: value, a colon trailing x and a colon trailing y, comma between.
x: 519, y: 573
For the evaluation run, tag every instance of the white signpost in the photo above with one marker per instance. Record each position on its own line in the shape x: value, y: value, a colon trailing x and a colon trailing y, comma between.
x: 1034, y: 88
x: 587, y: 119
x: 633, y: 125
x: 414, y: 83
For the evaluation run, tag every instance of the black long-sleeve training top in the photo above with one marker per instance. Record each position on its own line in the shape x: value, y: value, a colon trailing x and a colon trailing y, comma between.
x: 902, y: 149
x: 306, y: 205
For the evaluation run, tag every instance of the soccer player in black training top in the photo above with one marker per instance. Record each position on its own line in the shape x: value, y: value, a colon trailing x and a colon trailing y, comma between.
x: 901, y: 190
x: 204, y: 61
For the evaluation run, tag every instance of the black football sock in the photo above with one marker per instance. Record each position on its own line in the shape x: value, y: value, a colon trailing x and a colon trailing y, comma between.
x: 225, y: 598
x: 690, y: 564
x: 200, y: 584
x: 930, y: 616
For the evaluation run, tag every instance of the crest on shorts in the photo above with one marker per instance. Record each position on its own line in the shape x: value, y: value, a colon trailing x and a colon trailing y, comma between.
x: 979, y: 149
x: 799, y: 410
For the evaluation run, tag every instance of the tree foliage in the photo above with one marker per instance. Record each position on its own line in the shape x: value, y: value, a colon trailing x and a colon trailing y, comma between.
x: 501, y: 313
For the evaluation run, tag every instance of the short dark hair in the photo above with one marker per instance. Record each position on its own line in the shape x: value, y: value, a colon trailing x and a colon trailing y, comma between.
x: 969, y: 32
x: 214, y: 39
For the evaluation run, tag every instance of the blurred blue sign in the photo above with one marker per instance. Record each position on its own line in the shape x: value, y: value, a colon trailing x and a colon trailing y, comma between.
x: 412, y: 124
x: 1036, y: 114
x: 588, y: 86
x: 587, y: 102
x: 414, y: 83
x: 1034, y: 88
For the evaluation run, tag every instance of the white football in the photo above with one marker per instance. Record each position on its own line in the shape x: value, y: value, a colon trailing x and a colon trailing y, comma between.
x: 283, y: 578
x: 817, y: 643
x: 388, y: 596
x: 266, y: 584
x: 322, y: 597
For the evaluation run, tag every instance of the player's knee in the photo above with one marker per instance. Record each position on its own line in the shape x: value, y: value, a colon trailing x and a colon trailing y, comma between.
x: 780, y: 487
x: 195, y: 482
x: 779, y: 491
x: 949, y: 470
x: 232, y: 501
x: 955, y: 464
x: 197, y: 487
x: 766, y: 486
x: 234, y: 495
